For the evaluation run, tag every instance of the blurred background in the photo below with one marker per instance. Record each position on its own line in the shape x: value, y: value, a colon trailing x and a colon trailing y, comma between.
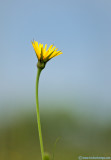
x: 75, y: 87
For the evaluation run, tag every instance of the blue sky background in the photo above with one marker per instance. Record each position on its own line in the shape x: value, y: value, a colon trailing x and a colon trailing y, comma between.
x: 82, y: 74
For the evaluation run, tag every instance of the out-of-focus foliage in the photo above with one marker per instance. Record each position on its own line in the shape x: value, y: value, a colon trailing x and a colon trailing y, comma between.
x: 76, y: 137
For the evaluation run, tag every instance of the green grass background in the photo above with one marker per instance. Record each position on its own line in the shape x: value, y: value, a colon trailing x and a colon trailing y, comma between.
x: 77, y: 136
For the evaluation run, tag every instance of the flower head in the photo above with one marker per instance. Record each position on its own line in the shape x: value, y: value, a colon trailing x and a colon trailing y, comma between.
x: 44, y: 54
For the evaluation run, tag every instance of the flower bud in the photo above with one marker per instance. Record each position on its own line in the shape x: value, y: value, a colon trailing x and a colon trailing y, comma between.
x: 41, y: 65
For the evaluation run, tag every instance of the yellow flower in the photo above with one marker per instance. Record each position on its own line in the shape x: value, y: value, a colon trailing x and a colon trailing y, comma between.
x: 44, y: 54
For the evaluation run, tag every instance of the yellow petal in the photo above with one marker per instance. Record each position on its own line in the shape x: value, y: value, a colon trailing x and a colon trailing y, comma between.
x: 44, y: 52
x: 51, y: 50
x: 50, y: 47
x: 48, y: 51
x: 35, y: 48
x: 55, y: 54
x: 36, y: 44
x: 39, y: 50
x: 45, y: 47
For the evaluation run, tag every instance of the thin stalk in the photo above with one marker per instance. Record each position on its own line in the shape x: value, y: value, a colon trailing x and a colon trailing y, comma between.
x: 38, y: 114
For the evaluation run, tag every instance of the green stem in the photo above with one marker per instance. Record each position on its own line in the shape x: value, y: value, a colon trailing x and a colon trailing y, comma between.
x: 38, y: 114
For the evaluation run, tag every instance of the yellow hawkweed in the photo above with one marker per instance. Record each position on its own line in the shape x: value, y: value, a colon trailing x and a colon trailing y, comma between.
x: 44, y: 54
